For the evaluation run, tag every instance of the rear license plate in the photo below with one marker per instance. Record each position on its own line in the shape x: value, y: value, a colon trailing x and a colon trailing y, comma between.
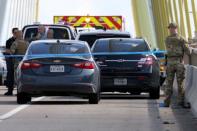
x: 120, y: 82
x: 57, y: 69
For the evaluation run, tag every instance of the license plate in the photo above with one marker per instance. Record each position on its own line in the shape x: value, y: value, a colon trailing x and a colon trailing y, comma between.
x: 120, y: 82
x: 57, y: 69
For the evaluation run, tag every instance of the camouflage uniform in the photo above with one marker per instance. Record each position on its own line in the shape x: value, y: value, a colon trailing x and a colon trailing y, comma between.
x: 176, y: 47
x: 19, y: 47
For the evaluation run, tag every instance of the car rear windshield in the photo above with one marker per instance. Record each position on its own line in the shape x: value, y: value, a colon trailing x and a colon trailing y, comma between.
x: 120, y: 46
x: 59, y: 33
x: 60, y: 49
x: 90, y: 39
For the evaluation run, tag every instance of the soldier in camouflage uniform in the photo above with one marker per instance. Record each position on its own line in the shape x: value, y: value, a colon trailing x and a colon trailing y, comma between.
x: 19, y: 47
x: 176, y: 47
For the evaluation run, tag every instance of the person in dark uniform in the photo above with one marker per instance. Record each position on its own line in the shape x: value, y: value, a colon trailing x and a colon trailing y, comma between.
x: 10, y: 65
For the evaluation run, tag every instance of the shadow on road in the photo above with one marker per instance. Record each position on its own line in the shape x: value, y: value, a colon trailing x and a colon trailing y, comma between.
x: 124, y: 96
x: 60, y: 103
x: 8, y: 102
x: 67, y: 100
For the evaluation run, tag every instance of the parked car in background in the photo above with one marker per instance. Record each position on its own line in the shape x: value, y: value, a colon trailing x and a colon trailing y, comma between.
x: 92, y: 36
x: 58, y: 68
x: 127, y: 65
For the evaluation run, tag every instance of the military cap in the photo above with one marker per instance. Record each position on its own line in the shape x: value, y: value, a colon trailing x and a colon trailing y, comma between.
x: 172, y: 25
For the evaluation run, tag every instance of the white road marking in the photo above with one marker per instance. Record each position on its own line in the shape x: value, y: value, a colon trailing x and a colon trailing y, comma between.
x: 18, y: 109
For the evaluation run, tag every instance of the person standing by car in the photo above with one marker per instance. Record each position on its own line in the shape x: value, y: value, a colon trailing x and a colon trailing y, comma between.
x: 50, y: 34
x: 41, y: 35
x: 176, y: 47
x: 9, y: 63
x: 19, y: 48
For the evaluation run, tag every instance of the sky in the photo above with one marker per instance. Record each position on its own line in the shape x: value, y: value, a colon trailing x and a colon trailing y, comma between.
x: 50, y: 8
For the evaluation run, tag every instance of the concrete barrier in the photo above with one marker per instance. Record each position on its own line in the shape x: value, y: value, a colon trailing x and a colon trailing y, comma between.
x: 191, y: 87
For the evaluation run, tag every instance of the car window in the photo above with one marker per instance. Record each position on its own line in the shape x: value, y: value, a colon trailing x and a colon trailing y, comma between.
x: 59, y: 33
x: 30, y: 33
x: 101, y: 46
x: 120, y: 46
x: 90, y: 39
x: 73, y: 50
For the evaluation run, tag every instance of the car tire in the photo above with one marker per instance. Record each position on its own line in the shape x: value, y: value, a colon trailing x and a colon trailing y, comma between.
x: 155, y: 93
x: 94, y: 98
x: 23, y: 98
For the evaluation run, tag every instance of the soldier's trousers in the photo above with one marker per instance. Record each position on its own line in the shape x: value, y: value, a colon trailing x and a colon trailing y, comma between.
x: 179, y: 70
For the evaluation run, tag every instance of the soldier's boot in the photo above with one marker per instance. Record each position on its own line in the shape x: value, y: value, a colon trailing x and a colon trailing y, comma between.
x: 9, y: 92
x: 183, y: 103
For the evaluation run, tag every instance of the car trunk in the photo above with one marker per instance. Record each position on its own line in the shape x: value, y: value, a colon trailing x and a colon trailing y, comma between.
x: 55, y: 66
x: 122, y: 65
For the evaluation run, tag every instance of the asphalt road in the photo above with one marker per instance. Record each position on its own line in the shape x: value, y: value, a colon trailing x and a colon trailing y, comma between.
x: 115, y: 112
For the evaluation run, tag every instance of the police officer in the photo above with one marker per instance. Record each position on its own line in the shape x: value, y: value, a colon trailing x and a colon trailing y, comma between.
x: 9, y: 63
x: 19, y: 48
x: 176, y: 47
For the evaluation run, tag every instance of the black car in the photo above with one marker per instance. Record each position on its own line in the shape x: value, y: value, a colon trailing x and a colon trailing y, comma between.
x: 91, y: 36
x: 127, y: 65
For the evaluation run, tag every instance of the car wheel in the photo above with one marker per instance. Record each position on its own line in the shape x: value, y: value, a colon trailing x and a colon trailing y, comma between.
x: 155, y: 93
x: 23, y: 98
x: 1, y: 80
x: 94, y: 98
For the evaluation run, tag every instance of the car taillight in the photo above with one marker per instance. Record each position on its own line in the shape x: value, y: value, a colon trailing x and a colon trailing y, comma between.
x: 146, y: 61
x: 85, y: 65
x: 29, y: 65
x: 141, y: 78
